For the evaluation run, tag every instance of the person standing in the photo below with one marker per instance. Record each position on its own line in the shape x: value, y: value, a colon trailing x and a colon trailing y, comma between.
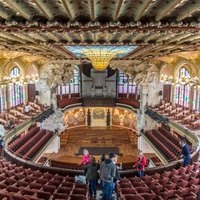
x: 140, y: 163
x: 27, y: 108
x: 2, y: 130
x: 1, y: 144
x: 185, y: 153
x: 92, y: 176
x: 85, y: 160
x: 107, y: 173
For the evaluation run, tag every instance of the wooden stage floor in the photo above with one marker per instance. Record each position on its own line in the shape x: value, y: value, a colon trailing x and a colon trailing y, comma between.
x: 72, y: 139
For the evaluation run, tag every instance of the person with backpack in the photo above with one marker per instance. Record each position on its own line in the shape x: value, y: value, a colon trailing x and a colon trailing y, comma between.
x: 92, y: 176
x: 107, y: 174
x: 140, y: 164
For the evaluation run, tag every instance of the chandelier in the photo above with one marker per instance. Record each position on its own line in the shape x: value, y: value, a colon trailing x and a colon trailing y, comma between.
x: 182, y: 80
x: 19, y: 80
x: 100, y: 56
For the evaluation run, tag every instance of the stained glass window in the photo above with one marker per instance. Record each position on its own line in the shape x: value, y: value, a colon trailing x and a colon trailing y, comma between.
x: 16, y: 91
x: 182, y: 92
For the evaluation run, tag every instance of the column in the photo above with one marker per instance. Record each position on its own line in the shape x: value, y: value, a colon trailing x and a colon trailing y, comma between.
x: 127, y: 95
x: 191, y: 98
x: 197, y: 99
x: 108, y: 118
x: 69, y: 96
x: 136, y: 92
x: 88, y: 117
x: 172, y: 94
x: 8, y: 95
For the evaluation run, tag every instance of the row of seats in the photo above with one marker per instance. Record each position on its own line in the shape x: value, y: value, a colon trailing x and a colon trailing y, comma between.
x: 15, y: 144
x: 183, y: 183
x: 187, y: 117
x: 17, y: 113
x: 17, y: 183
x: 131, y: 102
x: 168, y: 154
x: 65, y: 102
x: 22, y: 184
x: 29, y: 144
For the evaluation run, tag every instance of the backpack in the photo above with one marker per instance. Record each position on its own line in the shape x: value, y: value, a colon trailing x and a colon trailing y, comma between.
x: 105, y: 173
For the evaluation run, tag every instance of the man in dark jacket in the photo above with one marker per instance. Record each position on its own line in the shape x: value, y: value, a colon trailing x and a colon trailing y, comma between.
x: 185, y: 153
x: 107, y: 175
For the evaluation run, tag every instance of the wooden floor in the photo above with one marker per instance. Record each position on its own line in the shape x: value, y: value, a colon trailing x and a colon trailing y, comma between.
x: 72, y: 139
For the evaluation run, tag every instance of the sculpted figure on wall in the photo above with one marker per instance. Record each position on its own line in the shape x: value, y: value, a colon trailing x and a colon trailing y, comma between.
x: 54, y: 74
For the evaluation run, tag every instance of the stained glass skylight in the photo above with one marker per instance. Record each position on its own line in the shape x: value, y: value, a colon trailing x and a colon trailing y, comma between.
x: 100, y: 56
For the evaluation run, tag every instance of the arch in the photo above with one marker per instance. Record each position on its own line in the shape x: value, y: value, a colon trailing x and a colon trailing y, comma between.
x: 166, y: 69
x: 31, y: 69
x: 187, y: 64
x: 14, y: 63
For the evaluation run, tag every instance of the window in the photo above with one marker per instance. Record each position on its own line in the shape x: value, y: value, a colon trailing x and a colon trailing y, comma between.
x: 182, y: 91
x: 16, y: 90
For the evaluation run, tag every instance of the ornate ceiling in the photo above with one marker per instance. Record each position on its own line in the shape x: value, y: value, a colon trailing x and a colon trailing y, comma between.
x: 44, y: 28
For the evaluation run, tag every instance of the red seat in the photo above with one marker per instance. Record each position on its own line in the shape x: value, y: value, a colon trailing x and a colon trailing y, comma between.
x: 49, y: 188
x: 142, y: 189
x: 79, y: 191
x: 44, y: 195
x: 64, y: 190
x: 132, y: 197
x: 77, y: 197
x: 60, y: 196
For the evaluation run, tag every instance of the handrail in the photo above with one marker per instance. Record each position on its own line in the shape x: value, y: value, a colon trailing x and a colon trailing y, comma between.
x: 128, y: 173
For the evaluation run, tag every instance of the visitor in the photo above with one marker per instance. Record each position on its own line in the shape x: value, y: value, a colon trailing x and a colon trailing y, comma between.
x: 117, y: 177
x: 10, y: 124
x: 102, y: 158
x: 140, y: 164
x: 92, y: 176
x: 85, y: 160
x: 1, y: 144
x: 185, y: 153
x: 2, y: 130
x: 107, y: 174
x: 27, y: 108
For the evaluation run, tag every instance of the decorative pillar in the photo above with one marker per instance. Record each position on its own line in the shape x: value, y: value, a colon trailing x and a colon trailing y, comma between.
x: 136, y: 92
x: 25, y: 89
x: 127, y: 95
x: 89, y: 118
x: 191, y: 98
x: 69, y: 96
x: 173, y: 87
x: 108, y: 118
x: 197, y: 99
x: 7, y: 96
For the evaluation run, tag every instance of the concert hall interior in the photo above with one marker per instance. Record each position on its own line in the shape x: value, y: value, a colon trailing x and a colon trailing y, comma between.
x: 119, y: 76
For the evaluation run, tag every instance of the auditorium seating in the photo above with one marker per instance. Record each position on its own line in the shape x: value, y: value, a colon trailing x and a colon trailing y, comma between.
x: 129, y: 101
x: 65, y: 102
x: 42, y: 186
x: 170, y: 150
x: 153, y: 187
x: 27, y: 145
x: 30, y: 184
